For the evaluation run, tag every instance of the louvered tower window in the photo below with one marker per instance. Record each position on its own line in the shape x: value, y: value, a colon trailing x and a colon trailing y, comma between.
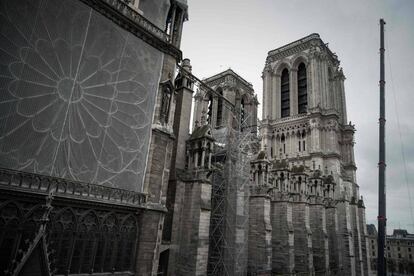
x: 302, y: 89
x: 285, y: 97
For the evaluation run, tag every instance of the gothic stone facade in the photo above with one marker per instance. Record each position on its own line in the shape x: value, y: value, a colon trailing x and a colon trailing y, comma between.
x: 303, y: 213
x: 86, y: 115
x: 306, y: 172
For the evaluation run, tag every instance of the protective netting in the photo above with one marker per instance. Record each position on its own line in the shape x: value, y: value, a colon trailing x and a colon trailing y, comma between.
x: 230, y: 204
x: 77, y: 93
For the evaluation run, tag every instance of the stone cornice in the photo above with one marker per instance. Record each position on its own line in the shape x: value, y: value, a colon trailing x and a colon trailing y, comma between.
x: 129, y: 19
x: 221, y: 78
x: 31, y: 183
x: 298, y: 46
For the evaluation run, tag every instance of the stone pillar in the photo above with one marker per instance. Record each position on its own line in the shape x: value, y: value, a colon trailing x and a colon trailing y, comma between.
x: 335, y: 254
x: 283, y: 257
x: 275, y: 97
x: 260, y: 235
x: 356, y: 234
x: 190, y: 237
x: 293, y: 91
x: 345, y: 238
x: 277, y: 107
x: 320, y: 243
x: 343, y: 102
x: 266, y: 93
x: 364, y: 238
x: 302, y: 238
x: 316, y: 93
x: 150, y: 231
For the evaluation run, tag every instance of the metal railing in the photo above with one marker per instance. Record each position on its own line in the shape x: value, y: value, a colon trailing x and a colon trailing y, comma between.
x: 42, y: 184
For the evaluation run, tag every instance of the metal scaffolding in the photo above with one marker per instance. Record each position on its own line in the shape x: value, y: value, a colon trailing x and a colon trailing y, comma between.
x: 228, y: 241
x: 230, y: 203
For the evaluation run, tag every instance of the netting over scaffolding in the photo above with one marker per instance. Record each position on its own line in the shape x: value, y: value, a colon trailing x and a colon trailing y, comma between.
x: 230, y: 203
x: 234, y: 130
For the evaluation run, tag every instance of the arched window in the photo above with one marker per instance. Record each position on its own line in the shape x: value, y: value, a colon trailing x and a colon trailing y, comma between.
x: 242, y: 114
x: 219, y: 119
x: 284, y: 94
x: 209, y: 109
x: 302, y: 89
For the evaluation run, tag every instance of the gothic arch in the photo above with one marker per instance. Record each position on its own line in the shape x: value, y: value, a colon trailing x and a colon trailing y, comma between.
x: 298, y: 59
x: 279, y: 67
x: 85, y: 243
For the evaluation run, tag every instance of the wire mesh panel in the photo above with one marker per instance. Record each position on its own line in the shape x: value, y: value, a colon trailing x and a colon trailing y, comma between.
x: 77, y: 93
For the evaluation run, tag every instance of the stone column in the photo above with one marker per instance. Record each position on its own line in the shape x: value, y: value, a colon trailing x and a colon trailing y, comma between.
x: 151, y: 225
x: 343, y: 101
x: 364, y: 239
x: 345, y: 238
x: 282, y: 237
x: 275, y: 105
x: 189, y: 253
x: 302, y: 238
x: 356, y: 234
x: 335, y: 254
x: 266, y: 92
x: 320, y: 244
x: 293, y: 91
x: 316, y: 93
x: 260, y: 235
x: 324, y: 83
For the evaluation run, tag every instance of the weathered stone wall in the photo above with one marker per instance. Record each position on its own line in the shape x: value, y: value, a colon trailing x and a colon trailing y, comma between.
x: 335, y: 254
x: 320, y: 247
x: 260, y: 236
x: 149, y: 241
x: 190, y: 235
x: 345, y: 238
x: 282, y: 237
x: 364, y: 241
x: 302, y: 238
x: 356, y: 235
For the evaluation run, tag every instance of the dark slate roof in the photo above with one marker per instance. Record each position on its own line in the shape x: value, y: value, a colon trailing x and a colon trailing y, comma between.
x: 400, y: 232
x: 280, y: 164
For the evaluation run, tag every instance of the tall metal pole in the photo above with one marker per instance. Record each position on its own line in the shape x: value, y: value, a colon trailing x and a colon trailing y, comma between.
x: 381, y: 265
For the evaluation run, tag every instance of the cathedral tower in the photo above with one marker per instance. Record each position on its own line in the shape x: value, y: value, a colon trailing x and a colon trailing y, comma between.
x: 307, y: 139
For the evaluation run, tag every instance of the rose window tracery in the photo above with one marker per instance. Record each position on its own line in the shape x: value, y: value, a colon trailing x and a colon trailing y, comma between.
x: 77, y: 93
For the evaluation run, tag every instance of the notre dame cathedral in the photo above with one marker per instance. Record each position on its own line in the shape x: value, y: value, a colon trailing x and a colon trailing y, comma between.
x: 106, y: 169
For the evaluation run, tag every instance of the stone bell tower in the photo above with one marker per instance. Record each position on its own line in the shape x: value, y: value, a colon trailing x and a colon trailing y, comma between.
x: 305, y: 129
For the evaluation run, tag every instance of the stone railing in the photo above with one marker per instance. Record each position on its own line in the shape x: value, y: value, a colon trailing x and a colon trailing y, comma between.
x: 59, y: 187
x: 123, y: 7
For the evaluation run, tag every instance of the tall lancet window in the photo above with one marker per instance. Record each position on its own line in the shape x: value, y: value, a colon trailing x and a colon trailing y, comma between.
x: 219, y: 120
x: 284, y: 94
x: 209, y: 109
x: 302, y: 89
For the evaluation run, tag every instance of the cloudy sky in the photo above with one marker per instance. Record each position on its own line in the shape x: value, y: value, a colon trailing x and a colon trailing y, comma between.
x: 237, y: 34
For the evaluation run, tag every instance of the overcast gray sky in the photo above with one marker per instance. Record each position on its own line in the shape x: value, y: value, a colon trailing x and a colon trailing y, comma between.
x: 239, y: 33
